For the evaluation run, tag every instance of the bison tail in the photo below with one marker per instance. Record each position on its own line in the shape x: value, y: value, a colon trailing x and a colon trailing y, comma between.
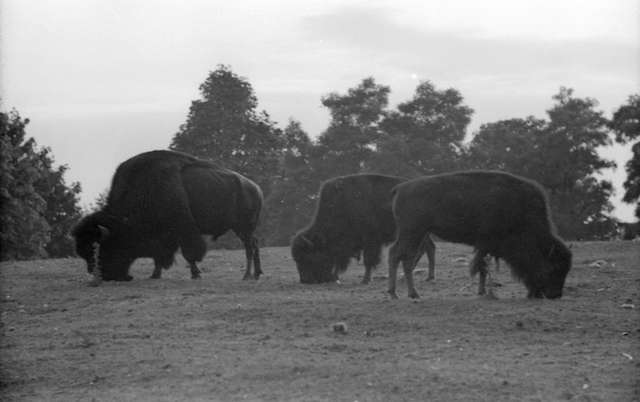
x: 394, y: 190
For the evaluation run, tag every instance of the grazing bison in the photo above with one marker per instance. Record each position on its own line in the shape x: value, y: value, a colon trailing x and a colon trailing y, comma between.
x: 353, y: 216
x: 497, y: 213
x: 629, y: 231
x: 162, y: 200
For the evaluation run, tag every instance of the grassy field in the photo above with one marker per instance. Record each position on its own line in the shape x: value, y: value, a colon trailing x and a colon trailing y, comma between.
x: 221, y: 338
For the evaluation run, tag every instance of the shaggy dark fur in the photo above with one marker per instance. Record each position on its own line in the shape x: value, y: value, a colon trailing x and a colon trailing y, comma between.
x: 497, y: 213
x: 353, y: 216
x: 162, y: 200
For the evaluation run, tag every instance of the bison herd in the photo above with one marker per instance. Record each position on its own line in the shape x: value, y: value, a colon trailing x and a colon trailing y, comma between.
x: 160, y: 201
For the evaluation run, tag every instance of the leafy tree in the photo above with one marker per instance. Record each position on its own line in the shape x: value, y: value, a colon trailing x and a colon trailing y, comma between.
x: 392, y: 157
x: 561, y: 155
x: 510, y: 145
x: 626, y: 125
x: 349, y: 142
x: 38, y: 208
x: 425, y: 134
x: 575, y: 131
x: 100, y: 201
x: 24, y: 231
x: 63, y: 210
x: 290, y: 205
x: 225, y: 127
x: 626, y: 120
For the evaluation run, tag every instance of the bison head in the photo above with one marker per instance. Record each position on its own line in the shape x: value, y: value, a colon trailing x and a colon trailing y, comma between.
x: 313, y: 260
x: 557, y: 262
x: 99, y: 243
x: 559, y: 257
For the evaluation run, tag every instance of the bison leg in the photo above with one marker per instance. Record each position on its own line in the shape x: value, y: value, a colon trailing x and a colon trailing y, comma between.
x: 335, y: 275
x: 257, y: 268
x: 195, y: 272
x: 405, y: 249
x: 248, y: 252
x: 367, y: 275
x: 408, y: 265
x: 252, y: 254
x: 157, y: 272
x: 428, y: 247
x: 194, y: 250
x: 534, y: 294
x: 192, y: 245
x: 163, y: 261
x: 371, y: 260
x: 479, y: 265
x: 394, y: 260
x: 340, y: 264
x: 160, y: 263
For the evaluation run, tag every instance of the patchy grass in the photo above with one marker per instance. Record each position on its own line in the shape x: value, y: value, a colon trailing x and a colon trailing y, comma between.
x: 221, y: 338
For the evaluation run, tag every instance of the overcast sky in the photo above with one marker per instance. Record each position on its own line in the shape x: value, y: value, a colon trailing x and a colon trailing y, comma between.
x: 103, y: 80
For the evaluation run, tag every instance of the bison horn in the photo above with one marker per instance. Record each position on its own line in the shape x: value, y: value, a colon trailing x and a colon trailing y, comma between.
x: 104, y: 232
x: 306, y: 240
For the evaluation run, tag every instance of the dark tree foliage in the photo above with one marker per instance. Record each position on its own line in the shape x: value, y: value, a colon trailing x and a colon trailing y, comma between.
x: 291, y: 202
x: 63, y: 210
x: 392, y: 157
x: 632, y: 183
x: 38, y: 208
x: 24, y: 231
x: 561, y: 155
x: 626, y: 120
x: 575, y: 131
x: 349, y: 142
x: 510, y: 145
x: 225, y: 127
x: 626, y: 125
x: 100, y: 201
x: 425, y: 135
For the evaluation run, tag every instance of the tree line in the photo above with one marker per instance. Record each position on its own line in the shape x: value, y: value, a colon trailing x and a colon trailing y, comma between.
x: 424, y: 135
x: 37, y: 207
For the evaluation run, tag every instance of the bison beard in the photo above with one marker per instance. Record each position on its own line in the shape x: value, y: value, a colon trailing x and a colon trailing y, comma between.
x: 497, y: 213
x: 353, y: 216
x: 161, y: 201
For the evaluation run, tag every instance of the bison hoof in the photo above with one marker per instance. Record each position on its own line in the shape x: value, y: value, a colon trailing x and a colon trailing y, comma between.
x: 430, y: 278
x: 535, y: 295
x: 247, y: 276
x: 195, y: 276
x: 414, y: 295
x: 393, y: 295
x: 155, y: 276
x: 125, y: 278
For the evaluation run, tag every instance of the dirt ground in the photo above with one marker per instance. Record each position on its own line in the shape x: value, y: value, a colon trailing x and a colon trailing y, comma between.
x: 224, y: 339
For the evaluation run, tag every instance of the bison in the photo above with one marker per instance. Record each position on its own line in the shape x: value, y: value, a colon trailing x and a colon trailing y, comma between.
x: 628, y: 231
x: 497, y: 213
x: 353, y: 216
x: 162, y: 200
